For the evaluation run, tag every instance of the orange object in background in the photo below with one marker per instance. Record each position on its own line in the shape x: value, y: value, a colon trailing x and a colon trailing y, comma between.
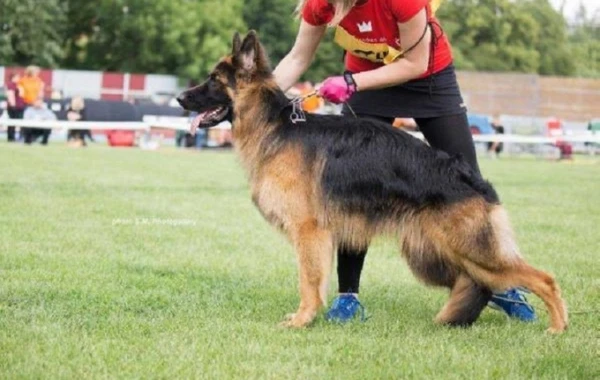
x: 312, y: 103
x: 405, y: 123
x: 121, y: 138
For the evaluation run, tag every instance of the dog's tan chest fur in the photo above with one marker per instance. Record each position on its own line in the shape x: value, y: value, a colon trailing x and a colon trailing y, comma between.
x: 280, y: 190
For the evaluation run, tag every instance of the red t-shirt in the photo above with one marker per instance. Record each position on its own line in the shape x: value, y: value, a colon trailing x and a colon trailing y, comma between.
x: 376, y: 22
x: 19, y: 103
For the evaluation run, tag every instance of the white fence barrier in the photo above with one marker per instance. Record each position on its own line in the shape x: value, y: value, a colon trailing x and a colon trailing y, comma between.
x: 178, y: 124
x: 183, y: 124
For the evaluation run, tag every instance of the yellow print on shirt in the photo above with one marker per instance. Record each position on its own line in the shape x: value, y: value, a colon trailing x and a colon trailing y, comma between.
x: 374, y: 52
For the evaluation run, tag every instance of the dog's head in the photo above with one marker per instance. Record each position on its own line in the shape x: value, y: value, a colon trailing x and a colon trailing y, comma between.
x: 214, y: 99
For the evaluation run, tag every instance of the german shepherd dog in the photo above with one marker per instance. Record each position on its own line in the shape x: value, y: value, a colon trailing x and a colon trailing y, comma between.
x: 332, y: 181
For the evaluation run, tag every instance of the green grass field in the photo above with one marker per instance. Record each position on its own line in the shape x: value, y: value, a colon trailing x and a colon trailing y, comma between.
x: 136, y: 264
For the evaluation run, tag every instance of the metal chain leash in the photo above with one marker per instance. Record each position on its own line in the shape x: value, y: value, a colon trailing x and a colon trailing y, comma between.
x: 298, y: 114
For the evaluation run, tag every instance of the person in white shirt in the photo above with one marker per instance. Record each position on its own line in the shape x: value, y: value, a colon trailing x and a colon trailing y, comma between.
x: 37, y: 111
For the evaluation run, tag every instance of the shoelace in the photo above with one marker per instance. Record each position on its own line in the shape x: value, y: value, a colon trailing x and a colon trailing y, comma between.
x: 360, y: 306
x: 362, y: 311
x: 522, y: 300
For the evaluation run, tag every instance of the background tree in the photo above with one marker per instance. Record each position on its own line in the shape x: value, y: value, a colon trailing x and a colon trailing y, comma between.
x: 186, y: 37
x: 552, y: 40
x: 491, y: 35
x: 584, y: 42
x: 31, y: 32
x: 277, y: 24
x: 274, y: 22
x: 164, y: 36
x: 328, y: 61
x: 503, y: 35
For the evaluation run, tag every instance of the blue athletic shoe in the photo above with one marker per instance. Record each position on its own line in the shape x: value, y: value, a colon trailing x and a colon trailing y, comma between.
x: 344, y: 308
x: 514, y: 304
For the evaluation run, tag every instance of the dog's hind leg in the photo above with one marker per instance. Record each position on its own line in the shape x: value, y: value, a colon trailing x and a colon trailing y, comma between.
x: 495, y: 261
x: 505, y: 269
x: 478, y: 238
x: 314, y: 247
x: 521, y: 274
x: 423, y: 258
x: 544, y: 286
x: 467, y: 300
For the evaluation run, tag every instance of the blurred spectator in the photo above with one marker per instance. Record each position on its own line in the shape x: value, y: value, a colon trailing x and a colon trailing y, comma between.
x: 76, y: 112
x: 494, y: 148
x: 16, y: 105
x: 555, y: 129
x: 56, y: 94
x: 32, y: 85
x: 221, y: 136
x: 594, y: 128
x: 185, y: 139
x: 200, y: 140
x: 39, y: 112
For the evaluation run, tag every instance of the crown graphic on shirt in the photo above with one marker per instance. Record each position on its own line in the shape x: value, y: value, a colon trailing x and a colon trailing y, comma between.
x: 365, y: 27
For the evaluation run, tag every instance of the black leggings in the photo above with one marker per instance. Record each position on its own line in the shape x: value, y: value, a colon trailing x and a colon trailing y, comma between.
x: 448, y: 133
x: 13, y: 113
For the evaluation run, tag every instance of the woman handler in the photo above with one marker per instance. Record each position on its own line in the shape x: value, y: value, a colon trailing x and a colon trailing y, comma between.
x: 398, y: 64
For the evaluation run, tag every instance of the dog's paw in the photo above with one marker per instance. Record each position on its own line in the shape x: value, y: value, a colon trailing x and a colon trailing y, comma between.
x: 290, y: 325
x: 556, y: 330
x: 296, y: 320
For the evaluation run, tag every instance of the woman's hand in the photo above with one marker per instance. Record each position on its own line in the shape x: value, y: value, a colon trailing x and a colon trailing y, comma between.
x: 336, y: 90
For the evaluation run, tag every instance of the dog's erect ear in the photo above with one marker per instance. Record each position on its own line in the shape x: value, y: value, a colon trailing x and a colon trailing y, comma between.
x: 237, y: 44
x: 251, y: 56
x: 249, y: 51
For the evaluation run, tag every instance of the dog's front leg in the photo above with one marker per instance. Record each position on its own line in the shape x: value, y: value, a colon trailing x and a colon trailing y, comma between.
x: 314, y: 249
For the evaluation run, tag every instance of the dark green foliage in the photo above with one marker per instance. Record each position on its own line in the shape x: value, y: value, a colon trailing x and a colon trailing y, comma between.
x: 31, y: 32
x: 277, y: 23
x: 186, y: 37
x: 177, y: 37
x: 524, y: 36
x: 584, y: 42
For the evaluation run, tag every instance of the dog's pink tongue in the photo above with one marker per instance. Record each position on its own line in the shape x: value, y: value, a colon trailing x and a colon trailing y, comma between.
x: 196, y: 122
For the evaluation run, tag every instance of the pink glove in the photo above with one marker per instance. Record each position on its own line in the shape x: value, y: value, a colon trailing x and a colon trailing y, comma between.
x: 336, y: 90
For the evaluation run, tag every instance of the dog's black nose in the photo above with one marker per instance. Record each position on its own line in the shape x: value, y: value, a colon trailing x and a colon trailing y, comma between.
x: 181, y: 100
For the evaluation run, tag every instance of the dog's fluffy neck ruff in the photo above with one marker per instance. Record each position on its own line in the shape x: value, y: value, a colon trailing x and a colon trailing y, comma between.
x: 257, y: 111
